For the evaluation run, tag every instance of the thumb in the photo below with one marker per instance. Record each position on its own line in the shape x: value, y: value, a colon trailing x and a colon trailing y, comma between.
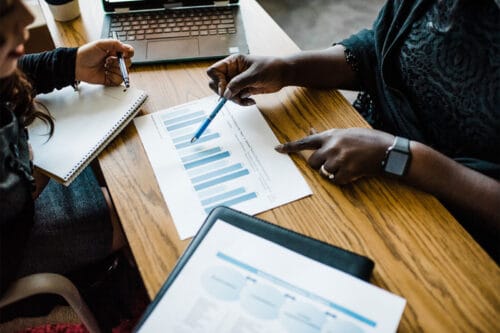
x: 238, y: 83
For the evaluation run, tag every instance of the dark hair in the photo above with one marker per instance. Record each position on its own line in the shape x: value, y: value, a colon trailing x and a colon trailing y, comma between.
x: 17, y: 92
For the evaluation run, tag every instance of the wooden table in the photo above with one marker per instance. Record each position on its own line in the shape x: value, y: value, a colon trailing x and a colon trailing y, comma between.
x: 420, y: 251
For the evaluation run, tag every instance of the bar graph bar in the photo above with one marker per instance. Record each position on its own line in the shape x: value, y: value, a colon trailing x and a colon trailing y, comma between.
x: 183, y: 138
x: 185, y: 123
x: 217, y: 172
x: 223, y: 196
x: 184, y: 117
x: 206, y: 160
x: 216, y: 176
x: 222, y: 179
x: 202, y: 139
x: 214, y: 166
x: 200, y: 154
x: 234, y: 201
x: 212, y: 191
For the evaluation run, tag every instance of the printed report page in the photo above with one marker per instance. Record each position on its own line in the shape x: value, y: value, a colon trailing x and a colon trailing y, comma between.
x: 236, y: 281
x: 232, y: 164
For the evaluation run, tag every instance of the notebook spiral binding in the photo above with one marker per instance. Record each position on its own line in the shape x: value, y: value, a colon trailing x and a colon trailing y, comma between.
x: 108, y: 137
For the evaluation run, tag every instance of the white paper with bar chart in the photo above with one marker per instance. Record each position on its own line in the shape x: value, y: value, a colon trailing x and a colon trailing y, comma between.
x: 232, y: 164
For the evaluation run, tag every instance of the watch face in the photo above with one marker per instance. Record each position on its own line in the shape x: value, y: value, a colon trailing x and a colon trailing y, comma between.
x: 396, y: 162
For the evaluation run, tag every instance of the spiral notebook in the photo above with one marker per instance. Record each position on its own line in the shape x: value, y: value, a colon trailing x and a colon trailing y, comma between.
x: 85, y: 123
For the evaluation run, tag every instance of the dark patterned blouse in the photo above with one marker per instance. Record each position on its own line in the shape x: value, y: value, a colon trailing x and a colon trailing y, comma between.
x: 430, y: 71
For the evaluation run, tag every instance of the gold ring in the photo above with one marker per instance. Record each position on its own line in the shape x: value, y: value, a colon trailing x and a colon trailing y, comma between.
x: 325, y: 173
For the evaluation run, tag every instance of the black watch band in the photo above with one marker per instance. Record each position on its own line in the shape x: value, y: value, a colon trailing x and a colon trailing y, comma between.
x: 401, y: 144
x: 397, y: 157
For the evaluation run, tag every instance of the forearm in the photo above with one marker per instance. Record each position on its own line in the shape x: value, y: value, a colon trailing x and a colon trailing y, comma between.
x: 454, y: 183
x: 324, y: 69
x: 49, y: 70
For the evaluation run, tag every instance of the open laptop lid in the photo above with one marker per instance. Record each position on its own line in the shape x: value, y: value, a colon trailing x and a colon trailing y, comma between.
x: 134, y: 5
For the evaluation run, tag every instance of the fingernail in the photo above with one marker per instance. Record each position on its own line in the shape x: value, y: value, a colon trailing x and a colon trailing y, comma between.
x: 280, y: 148
x: 228, y: 93
x: 219, y: 91
x: 248, y: 102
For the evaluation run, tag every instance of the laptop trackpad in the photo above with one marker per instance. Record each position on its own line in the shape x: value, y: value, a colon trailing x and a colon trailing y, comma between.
x: 172, y: 49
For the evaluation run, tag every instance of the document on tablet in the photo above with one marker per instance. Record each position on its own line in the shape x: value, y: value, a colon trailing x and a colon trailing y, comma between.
x: 233, y: 163
x: 235, y: 279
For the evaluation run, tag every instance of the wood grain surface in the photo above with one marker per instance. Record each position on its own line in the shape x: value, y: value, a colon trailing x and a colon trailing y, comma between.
x: 421, y: 252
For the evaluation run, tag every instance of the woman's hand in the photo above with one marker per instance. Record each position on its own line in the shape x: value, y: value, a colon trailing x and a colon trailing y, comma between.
x: 97, y: 62
x: 344, y: 155
x: 237, y: 77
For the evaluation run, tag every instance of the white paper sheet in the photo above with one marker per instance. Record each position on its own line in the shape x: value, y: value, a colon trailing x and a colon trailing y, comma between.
x: 238, y: 282
x: 84, y: 123
x: 233, y: 163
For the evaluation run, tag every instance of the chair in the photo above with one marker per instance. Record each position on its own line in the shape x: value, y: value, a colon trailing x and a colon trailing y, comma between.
x: 50, y: 283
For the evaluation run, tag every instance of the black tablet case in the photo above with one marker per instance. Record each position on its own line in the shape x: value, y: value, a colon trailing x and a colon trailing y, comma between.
x: 346, y: 261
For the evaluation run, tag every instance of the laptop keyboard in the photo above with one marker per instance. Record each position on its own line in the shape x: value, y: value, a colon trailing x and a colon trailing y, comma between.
x: 173, y: 24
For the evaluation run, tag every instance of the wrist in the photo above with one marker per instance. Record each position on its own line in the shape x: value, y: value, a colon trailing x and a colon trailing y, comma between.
x: 77, y: 72
x: 288, y: 70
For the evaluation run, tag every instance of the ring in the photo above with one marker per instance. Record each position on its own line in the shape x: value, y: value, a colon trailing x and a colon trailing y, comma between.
x: 325, y: 173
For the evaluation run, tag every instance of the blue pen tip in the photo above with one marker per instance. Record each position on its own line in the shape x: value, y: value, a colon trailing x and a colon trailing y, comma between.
x: 193, y: 139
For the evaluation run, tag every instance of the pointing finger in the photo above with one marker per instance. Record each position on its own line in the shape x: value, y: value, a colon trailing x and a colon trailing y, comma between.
x: 314, y: 141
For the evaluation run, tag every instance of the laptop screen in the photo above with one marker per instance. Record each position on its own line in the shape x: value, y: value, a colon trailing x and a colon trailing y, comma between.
x: 112, y: 5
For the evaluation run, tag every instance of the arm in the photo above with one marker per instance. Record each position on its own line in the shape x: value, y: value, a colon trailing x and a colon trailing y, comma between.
x: 94, y: 62
x: 454, y: 183
x: 50, y: 70
x: 358, y: 152
x: 320, y: 69
x: 240, y: 76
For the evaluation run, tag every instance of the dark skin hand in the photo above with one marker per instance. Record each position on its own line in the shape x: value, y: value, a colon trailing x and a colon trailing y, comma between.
x: 240, y: 70
x: 237, y: 77
x: 349, y: 153
x: 356, y: 152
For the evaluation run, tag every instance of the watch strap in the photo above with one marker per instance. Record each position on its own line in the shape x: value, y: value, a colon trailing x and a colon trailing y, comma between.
x: 401, y: 144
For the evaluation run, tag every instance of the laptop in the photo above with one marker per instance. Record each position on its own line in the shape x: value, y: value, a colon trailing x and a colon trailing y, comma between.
x: 174, y: 31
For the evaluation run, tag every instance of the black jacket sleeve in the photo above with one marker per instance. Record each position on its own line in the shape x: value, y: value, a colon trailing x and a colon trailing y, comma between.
x: 50, y: 70
x: 16, y: 203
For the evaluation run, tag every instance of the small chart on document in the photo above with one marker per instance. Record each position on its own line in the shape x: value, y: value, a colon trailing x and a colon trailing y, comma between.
x: 216, y: 175
x: 233, y: 163
x: 238, y: 281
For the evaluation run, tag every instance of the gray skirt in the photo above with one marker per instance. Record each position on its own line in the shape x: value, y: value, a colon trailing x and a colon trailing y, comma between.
x: 71, y: 228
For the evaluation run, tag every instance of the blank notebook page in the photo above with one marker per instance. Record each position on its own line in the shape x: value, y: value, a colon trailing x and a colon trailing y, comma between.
x: 85, y: 122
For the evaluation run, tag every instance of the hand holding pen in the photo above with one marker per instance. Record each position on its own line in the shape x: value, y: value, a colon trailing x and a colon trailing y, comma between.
x: 96, y: 62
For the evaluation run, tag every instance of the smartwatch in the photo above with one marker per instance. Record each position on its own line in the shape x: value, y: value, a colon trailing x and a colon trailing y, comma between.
x: 397, y: 157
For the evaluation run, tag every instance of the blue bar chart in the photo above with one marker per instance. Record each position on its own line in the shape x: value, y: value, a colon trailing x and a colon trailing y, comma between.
x: 213, y: 172
x: 233, y: 163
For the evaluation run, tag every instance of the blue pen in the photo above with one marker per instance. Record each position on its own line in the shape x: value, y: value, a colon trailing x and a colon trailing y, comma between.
x: 123, y: 66
x: 209, y: 119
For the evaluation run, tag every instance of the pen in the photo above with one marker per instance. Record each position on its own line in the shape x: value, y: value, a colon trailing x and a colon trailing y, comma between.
x: 123, y: 67
x: 209, y: 119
